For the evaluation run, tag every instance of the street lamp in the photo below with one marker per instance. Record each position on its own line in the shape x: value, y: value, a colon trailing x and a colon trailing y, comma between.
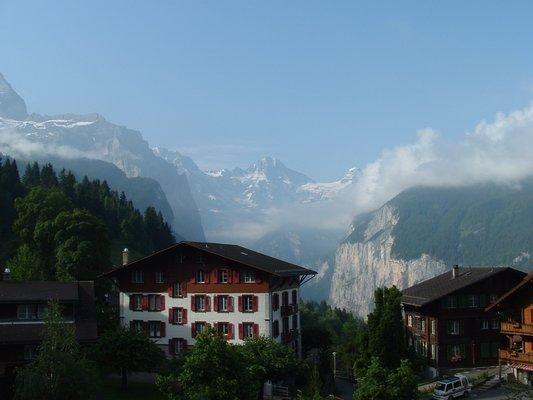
x: 334, y: 364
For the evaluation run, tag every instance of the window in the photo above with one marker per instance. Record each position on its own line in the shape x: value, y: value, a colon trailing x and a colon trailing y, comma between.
x: 200, y: 276
x: 423, y: 324
x: 275, y: 328
x: 200, y: 303
x: 248, y: 303
x: 137, y: 276
x: 176, y: 290
x: 485, y: 324
x: 154, y: 329
x: 473, y: 301
x: 424, y: 348
x: 179, y: 346
x: 495, y: 323
x: 294, y: 297
x: 454, y: 327
x: 409, y: 320
x: 223, y: 276
x: 295, y: 321
x: 25, y: 311
x: 493, y: 298
x: 136, y: 325
x: 285, y: 299
x: 178, y: 315
x: 41, y: 311
x: 248, y: 276
x: 152, y: 302
x: 137, y: 304
x: 457, y: 384
x: 223, y: 328
x: 433, y: 351
x: 200, y: 258
x: 451, y: 302
x: 248, y: 330
x: 222, y: 303
x: 456, y: 350
x: 200, y: 327
x: 433, y: 327
x: 159, y: 277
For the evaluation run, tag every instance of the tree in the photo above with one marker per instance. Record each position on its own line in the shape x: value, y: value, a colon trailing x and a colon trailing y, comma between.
x: 60, y: 372
x: 125, y: 350
x: 402, y: 383
x: 268, y: 360
x: 373, y: 384
x: 82, y: 246
x: 25, y: 265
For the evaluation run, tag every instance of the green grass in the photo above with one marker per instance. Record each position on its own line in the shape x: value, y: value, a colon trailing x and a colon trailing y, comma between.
x: 135, y: 391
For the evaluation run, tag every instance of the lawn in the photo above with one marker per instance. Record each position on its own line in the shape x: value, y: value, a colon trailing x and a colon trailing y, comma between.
x: 136, y: 391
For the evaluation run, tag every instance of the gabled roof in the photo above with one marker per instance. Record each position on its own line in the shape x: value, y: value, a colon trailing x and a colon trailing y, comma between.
x: 14, y: 291
x: 234, y: 253
x: 527, y: 280
x: 435, y: 288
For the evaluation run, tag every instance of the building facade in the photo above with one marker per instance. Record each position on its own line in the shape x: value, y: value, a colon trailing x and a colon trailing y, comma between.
x: 516, y: 310
x: 174, y: 294
x: 446, y: 321
x: 22, y: 310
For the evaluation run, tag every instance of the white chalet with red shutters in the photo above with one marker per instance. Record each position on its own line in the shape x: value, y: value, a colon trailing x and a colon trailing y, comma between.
x: 174, y: 294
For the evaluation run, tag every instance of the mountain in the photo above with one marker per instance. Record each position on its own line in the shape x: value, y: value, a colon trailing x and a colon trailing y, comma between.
x: 11, y: 104
x: 421, y: 232
x: 92, y: 136
x: 240, y: 204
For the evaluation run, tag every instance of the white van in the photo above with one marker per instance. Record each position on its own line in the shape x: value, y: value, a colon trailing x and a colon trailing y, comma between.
x: 452, y: 387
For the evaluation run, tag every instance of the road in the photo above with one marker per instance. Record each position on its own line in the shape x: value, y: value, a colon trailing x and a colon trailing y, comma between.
x: 344, y: 389
x: 503, y: 393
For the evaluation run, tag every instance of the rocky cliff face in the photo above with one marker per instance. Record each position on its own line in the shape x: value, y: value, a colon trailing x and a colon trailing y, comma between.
x: 362, y: 265
x: 11, y: 104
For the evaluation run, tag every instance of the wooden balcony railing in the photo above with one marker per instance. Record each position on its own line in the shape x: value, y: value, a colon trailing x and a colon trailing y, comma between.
x: 508, y: 355
x: 517, y: 328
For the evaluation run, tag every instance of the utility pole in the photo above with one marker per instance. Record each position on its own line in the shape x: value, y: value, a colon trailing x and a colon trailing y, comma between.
x: 334, y: 364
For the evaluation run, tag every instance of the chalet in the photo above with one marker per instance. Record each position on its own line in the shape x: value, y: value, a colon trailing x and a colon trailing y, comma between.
x: 516, y: 311
x: 176, y: 293
x: 22, y: 309
x: 445, y: 316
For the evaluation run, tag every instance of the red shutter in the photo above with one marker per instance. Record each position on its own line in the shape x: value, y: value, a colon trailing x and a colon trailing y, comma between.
x: 256, y: 330
x: 163, y: 329
x: 170, y: 290
x: 146, y: 327
x: 183, y: 345
x: 240, y: 303
x: 230, y: 303
x: 183, y: 287
x: 207, y: 277
x: 131, y: 301
x: 170, y: 315
x: 236, y: 276
x: 145, y: 303
x: 215, y: 303
x: 171, y: 347
x: 230, y: 275
x: 258, y: 278
x: 184, y: 316
x: 214, y: 274
x: 207, y: 303
x: 231, y: 334
x: 161, y: 303
x: 255, y: 303
x: 241, y: 331
x: 193, y: 330
x: 193, y: 303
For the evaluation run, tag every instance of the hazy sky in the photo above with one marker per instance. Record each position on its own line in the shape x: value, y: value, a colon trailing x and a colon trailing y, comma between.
x: 321, y: 85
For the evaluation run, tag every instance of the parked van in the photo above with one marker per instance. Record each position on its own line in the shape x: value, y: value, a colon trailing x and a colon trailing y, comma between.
x: 452, y: 387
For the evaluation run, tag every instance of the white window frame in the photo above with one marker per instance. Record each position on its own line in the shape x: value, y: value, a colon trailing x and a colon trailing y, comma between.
x: 137, y: 276
x: 200, y: 302
x: 138, y: 325
x: 179, y: 346
x: 137, y: 302
x: 433, y: 327
x: 485, y: 324
x: 223, y: 276
x: 223, y: 302
x: 154, y: 328
x: 409, y: 320
x: 451, y: 302
x: 473, y: 301
x: 433, y: 351
x: 223, y: 327
x: 248, y: 276
x: 200, y: 276
x: 159, y: 277
x: 177, y: 289
x: 178, y: 315
x: 200, y: 327
x: 28, y: 312
x: 495, y: 323
x: 456, y: 328
x: 248, y: 330
x: 423, y: 324
x: 248, y: 303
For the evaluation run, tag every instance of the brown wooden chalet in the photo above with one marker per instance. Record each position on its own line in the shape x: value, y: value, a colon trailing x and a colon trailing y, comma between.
x: 516, y: 313
x: 22, y: 309
x: 174, y: 294
x: 445, y: 316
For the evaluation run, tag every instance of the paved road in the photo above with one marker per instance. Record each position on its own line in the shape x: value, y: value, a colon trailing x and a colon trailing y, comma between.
x: 344, y: 389
x: 503, y: 393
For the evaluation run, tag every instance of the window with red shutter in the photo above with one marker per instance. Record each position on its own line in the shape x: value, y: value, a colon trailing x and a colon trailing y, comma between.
x: 193, y: 303
x: 170, y: 315
x: 162, y: 329
x: 256, y: 330
x: 215, y: 303
x: 193, y: 330
x: 230, y: 303
x: 236, y: 276
x: 170, y: 290
x: 145, y: 303
x: 231, y: 334
x: 183, y: 345
x: 240, y: 304
x: 172, y: 346
x: 161, y: 303
x: 214, y: 276
x: 184, y: 316
x: 207, y: 303
x: 255, y: 303
x: 183, y: 289
x: 241, y: 331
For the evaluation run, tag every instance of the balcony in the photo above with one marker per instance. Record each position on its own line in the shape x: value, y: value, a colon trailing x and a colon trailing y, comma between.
x: 512, y: 356
x: 517, y: 328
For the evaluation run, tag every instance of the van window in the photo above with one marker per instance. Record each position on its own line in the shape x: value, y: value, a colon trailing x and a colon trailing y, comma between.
x: 457, y: 384
x: 440, y: 386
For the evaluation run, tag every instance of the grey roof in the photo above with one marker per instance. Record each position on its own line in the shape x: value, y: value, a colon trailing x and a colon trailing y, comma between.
x: 234, y: 253
x: 435, y: 288
x: 13, y: 291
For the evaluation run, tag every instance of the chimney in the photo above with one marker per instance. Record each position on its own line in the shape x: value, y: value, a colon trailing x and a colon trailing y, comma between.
x: 125, y: 256
x: 455, y: 271
x: 6, y: 276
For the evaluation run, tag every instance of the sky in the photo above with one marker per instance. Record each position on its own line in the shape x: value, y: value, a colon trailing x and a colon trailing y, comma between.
x: 321, y: 85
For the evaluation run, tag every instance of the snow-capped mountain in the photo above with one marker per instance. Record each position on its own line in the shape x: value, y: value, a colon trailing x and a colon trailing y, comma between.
x: 11, y: 104
x: 241, y: 202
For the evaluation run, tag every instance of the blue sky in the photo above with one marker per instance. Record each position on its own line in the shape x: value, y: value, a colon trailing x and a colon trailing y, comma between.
x: 321, y: 85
